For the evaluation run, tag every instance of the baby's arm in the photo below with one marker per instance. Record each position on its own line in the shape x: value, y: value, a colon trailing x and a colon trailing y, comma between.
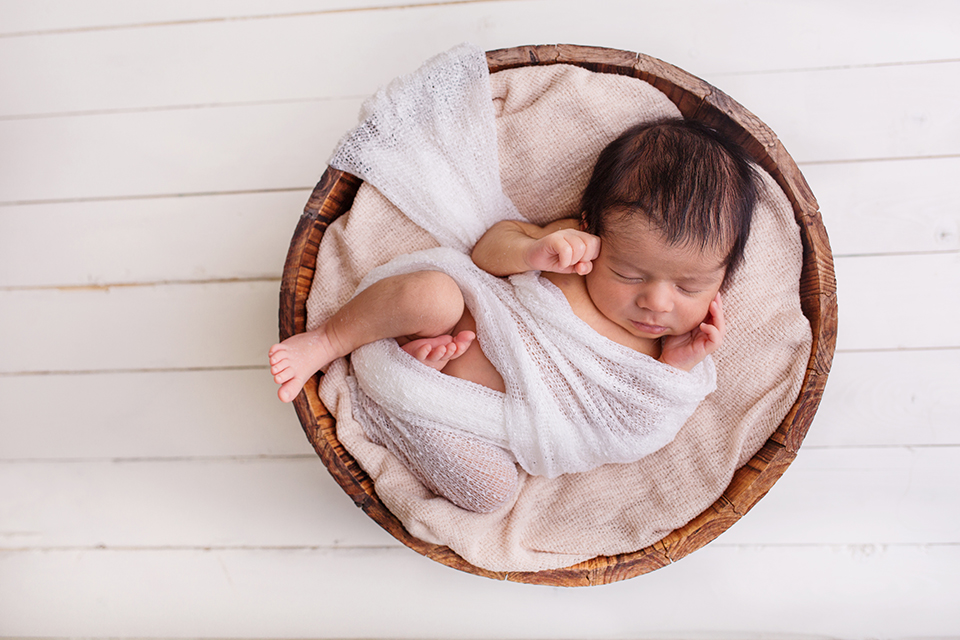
x: 511, y: 246
x: 688, y: 350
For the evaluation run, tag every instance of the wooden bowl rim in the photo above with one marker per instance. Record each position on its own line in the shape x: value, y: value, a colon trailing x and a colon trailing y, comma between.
x: 696, y: 99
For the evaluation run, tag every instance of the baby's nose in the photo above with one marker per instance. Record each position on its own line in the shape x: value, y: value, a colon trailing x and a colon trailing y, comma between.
x: 656, y: 297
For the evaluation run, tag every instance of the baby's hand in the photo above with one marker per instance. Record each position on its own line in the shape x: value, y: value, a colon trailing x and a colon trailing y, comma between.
x: 687, y: 350
x: 564, y: 251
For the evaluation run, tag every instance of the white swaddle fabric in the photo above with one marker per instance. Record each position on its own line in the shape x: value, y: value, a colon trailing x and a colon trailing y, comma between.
x: 574, y: 400
x: 428, y: 142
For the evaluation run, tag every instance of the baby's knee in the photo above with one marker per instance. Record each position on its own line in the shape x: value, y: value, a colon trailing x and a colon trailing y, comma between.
x: 470, y: 473
x: 483, y: 490
x: 494, y: 488
x: 433, y: 283
x: 436, y: 296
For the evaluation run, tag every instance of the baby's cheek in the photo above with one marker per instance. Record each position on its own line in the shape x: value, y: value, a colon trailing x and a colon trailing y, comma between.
x: 694, y: 315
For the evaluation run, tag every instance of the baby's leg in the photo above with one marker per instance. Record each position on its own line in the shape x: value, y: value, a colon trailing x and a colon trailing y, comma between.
x: 422, y: 304
x: 437, y: 352
x: 469, y: 472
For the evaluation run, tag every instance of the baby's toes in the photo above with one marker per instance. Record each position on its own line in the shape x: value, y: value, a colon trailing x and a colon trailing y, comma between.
x: 288, y: 392
x: 284, y: 375
x: 440, y: 353
x: 463, y: 341
x: 422, y: 353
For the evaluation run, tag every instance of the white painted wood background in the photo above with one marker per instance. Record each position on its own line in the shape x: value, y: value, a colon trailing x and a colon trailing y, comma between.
x: 154, y: 159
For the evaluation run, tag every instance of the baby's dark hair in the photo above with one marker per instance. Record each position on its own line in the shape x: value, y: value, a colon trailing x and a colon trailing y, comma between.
x: 692, y: 183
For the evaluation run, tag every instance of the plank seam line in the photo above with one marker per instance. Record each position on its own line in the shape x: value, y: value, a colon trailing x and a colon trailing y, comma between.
x: 859, y: 546
x: 942, y: 156
x: 266, y: 457
x: 175, y: 107
x: 105, y: 286
x: 152, y: 196
x: 875, y: 447
x: 897, y: 254
x: 126, y: 548
x: 900, y: 349
x: 281, y: 457
x: 247, y: 18
x: 839, y: 67
x: 66, y: 372
x: 256, y: 367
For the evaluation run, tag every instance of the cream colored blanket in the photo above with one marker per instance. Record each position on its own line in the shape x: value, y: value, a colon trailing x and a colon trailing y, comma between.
x: 551, y: 124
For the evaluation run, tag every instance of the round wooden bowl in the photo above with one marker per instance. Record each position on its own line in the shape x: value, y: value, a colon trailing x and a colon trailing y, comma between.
x: 696, y: 100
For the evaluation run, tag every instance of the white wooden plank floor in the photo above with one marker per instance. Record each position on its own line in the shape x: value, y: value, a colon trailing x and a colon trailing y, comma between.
x: 154, y: 159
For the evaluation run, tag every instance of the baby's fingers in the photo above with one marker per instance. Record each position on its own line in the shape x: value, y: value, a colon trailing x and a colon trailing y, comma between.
x: 565, y: 251
x: 709, y: 333
x: 586, y: 248
x: 567, y: 254
x: 593, y: 246
x: 716, y: 313
x: 564, y: 254
x: 713, y: 328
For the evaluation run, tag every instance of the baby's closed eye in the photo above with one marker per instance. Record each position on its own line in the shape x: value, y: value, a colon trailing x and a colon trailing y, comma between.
x: 626, y: 277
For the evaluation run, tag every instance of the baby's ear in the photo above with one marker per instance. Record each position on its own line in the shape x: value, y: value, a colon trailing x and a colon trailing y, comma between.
x: 583, y: 221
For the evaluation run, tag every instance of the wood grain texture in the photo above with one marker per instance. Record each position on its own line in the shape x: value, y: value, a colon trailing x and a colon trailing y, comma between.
x: 215, y: 60
x: 696, y: 100
x: 176, y: 152
x: 131, y: 241
x: 155, y: 415
x: 53, y: 16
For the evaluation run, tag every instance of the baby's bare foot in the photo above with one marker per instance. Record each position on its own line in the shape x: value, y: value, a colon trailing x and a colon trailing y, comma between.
x: 294, y: 360
x: 437, y: 352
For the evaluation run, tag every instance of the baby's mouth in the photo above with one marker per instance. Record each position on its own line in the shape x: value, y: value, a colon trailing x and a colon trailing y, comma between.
x: 649, y: 328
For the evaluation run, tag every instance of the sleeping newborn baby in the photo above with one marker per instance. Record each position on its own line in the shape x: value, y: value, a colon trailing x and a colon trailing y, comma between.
x: 634, y: 284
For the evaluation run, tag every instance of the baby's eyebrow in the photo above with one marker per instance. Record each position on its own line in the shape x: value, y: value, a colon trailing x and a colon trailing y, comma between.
x: 621, y: 263
x: 702, y: 278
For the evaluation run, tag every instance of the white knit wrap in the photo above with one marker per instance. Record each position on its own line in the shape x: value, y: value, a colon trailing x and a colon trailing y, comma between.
x: 428, y: 142
x: 574, y: 400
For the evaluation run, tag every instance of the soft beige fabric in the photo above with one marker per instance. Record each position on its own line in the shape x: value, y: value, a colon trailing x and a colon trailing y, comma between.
x: 552, y: 123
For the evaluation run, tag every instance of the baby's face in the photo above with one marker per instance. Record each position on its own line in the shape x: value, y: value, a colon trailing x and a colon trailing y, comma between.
x: 650, y: 287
